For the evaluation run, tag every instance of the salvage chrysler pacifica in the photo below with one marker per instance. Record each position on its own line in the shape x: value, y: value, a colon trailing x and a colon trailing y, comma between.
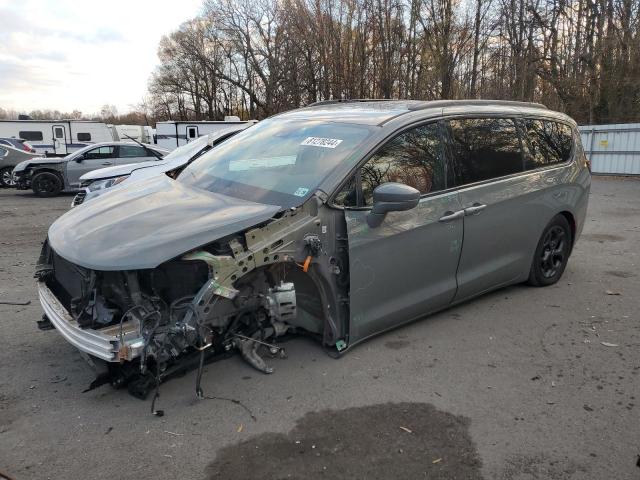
x: 339, y: 220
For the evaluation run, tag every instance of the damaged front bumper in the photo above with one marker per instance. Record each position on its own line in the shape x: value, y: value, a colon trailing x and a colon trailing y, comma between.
x: 112, y: 344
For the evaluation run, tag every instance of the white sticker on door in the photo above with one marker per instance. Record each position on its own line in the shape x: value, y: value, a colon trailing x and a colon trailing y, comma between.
x: 321, y: 142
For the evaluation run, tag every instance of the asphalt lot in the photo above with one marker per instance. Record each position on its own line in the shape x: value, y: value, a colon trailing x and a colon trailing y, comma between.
x: 515, y: 385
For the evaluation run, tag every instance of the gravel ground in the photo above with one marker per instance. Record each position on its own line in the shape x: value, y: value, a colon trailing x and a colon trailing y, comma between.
x: 517, y: 384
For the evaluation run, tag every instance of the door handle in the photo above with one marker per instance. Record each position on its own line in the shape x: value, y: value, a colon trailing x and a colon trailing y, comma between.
x: 450, y: 215
x: 106, y: 163
x: 474, y: 209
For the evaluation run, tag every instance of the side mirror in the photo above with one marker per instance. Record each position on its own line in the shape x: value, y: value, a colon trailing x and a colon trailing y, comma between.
x: 391, y: 197
x: 79, y: 159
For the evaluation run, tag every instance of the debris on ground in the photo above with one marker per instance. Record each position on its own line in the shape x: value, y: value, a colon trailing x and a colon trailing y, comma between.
x: 607, y: 344
x: 610, y: 292
x: 406, y: 429
x: 437, y: 460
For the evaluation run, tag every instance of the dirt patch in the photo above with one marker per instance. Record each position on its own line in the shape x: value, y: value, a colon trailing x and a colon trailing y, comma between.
x: 601, y: 237
x: 362, y: 442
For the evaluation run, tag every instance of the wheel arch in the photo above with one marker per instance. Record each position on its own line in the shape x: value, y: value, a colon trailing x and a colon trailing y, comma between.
x: 572, y: 223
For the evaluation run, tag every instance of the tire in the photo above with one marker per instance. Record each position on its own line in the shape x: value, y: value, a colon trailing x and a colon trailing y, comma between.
x: 552, y: 253
x: 7, y: 178
x: 46, y: 184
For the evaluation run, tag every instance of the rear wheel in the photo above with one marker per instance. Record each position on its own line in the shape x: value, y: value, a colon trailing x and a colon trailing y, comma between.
x: 7, y: 178
x: 552, y: 253
x: 46, y: 184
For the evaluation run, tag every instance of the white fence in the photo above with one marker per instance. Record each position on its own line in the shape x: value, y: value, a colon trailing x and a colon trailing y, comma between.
x: 612, y: 149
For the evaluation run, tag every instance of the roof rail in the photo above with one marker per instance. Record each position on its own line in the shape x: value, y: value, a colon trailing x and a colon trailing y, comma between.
x: 454, y: 103
x: 351, y: 100
x: 422, y: 104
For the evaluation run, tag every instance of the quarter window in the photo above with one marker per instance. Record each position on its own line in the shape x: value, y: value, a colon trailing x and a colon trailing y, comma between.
x: 98, y: 153
x: 548, y: 143
x: 31, y: 135
x: 84, y: 137
x: 483, y: 148
x: 128, y: 151
x: 413, y: 158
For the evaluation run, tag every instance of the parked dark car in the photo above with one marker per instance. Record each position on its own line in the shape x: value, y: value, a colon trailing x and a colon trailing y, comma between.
x: 340, y: 220
x: 9, y: 158
x: 18, y: 143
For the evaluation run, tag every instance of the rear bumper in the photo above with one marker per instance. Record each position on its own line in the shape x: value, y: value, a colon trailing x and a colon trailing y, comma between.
x: 111, y: 344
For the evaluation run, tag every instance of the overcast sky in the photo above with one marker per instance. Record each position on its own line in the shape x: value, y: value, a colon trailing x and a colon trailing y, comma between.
x: 82, y: 54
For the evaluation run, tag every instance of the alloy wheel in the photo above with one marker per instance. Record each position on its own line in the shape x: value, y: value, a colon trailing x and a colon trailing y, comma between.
x: 45, y: 185
x: 9, y: 179
x: 553, y: 251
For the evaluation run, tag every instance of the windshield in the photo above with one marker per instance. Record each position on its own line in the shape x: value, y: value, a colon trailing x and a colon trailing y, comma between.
x: 277, y: 162
x: 188, y: 150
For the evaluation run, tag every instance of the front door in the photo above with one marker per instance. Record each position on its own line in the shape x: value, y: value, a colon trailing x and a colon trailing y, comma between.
x: 59, y: 139
x: 98, y: 157
x: 192, y: 133
x: 406, y: 267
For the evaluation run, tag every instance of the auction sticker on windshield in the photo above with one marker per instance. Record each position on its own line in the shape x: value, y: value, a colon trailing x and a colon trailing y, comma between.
x: 321, y: 142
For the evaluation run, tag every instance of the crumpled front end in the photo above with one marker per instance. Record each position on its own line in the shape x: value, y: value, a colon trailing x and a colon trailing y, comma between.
x: 238, y: 293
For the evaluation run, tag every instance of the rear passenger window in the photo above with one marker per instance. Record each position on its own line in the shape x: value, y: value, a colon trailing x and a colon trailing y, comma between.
x: 413, y: 158
x: 548, y: 143
x: 130, y: 151
x: 483, y: 148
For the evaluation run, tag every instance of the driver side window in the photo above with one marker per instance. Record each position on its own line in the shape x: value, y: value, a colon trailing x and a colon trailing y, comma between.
x: 414, y: 158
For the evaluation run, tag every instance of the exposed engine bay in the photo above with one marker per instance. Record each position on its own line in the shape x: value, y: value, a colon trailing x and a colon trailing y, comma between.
x: 239, y: 294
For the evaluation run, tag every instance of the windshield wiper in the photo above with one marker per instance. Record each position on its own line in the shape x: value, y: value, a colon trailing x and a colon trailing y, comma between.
x: 153, y: 152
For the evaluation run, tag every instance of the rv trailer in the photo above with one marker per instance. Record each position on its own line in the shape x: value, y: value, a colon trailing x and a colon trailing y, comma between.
x: 136, y: 133
x: 173, y: 134
x: 56, y: 137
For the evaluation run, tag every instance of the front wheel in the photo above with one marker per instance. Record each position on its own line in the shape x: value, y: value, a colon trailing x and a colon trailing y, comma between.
x: 46, y: 184
x: 7, y: 177
x: 552, y: 253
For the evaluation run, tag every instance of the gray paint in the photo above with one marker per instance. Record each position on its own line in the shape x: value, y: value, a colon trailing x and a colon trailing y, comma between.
x: 141, y: 227
x: 500, y: 240
x: 404, y: 268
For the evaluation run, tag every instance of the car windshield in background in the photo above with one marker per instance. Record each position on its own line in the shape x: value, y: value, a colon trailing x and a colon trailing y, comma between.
x: 188, y: 150
x: 277, y: 162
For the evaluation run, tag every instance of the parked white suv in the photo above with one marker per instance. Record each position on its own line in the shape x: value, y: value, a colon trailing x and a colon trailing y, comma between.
x: 101, y: 181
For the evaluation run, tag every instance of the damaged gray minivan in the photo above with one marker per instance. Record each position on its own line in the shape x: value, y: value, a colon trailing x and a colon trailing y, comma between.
x: 339, y: 221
